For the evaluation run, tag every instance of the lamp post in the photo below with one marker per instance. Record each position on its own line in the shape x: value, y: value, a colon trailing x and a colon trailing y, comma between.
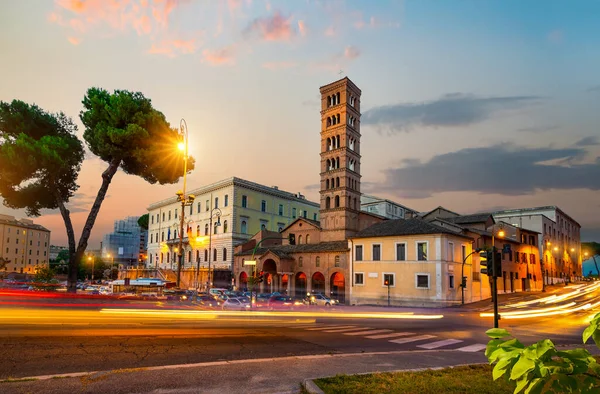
x: 181, y: 196
x: 494, y: 274
x: 215, y: 212
x: 91, y: 258
x: 463, y: 282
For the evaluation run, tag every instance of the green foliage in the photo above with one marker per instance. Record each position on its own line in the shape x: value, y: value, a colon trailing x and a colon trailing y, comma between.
x: 143, y: 221
x: 593, y: 248
x: 541, y: 368
x: 44, y: 275
x: 63, y: 255
x: 124, y: 126
x: 40, y: 157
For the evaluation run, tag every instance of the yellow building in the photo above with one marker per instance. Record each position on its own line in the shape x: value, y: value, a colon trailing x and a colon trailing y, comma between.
x: 24, y: 246
x: 419, y: 263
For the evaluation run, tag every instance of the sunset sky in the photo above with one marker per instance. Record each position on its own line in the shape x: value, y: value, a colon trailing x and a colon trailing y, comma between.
x: 474, y: 105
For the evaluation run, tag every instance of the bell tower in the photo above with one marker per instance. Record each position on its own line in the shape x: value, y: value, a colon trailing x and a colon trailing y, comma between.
x: 340, y: 160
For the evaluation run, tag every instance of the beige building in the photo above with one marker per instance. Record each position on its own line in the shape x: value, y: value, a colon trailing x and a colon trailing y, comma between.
x: 24, y: 246
x: 414, y: 262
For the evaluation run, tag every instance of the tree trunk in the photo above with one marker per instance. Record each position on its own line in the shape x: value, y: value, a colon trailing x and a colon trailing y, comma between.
x: 107, y: 176
x: 73, y: 264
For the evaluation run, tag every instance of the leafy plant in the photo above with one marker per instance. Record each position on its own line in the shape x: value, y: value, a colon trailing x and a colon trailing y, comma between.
x: 541, y: 368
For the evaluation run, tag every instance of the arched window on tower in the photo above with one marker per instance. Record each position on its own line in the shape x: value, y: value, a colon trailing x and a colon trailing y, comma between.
x: 337, y: 182
x: 329, y: 101
x: 327, y: 203
x: 337, y: 141
x: 328, y: 165
x: 351, y: 164
x: 337, y: 119
x: 355, y: 203
x: 328, y: 121
x: 329, y: 147
x: 327, y: 184
x: 351, y: 143
x: 337, y: 98
x: 337, y: 201
x: 337, y: 163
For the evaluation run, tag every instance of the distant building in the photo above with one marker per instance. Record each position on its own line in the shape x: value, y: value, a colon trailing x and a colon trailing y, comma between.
x: 123, y: 245
x: 24, y: 245
x: 559, y: 241
x: 245, y: 208
x: 55, y: 250
x: 385, y: 208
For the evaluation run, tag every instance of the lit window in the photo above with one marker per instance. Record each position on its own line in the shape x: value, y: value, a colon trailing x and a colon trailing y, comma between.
x: 422, y: 251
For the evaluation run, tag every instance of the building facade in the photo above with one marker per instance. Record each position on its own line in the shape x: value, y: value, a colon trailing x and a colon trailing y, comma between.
x: 224, y: 214
x: 559, y: 242
x: 55, y: 250
x: 122, y: 246
x: 24, y: 245
x: 385, y: 208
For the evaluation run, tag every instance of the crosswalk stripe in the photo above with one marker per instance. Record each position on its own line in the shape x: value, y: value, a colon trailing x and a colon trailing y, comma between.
x: 412, y: 339
x: 435, y: 345
x: 395, y: 334
x: 348, y: 329
x: 367, y: 332
x: 327, y: 328
x: 472, y: 348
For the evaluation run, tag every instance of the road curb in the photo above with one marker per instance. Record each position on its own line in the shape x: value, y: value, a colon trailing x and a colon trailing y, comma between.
x: 311, y: 387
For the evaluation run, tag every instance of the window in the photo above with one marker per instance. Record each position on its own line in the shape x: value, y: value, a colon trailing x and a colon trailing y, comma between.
x: 299, y: 261
x: 293, y: 213
x: 169, y: 215
x: 151, y: 218
x: 224, y: 254
x: 205, y: 254
x: 244, y: 201
x: 175, y: 214
x: 359, y: 278
x: 163, y: 217
x: 151, y: 238
x: 315, y: 216
x: 422, y: 251
x: 463, y: 249
x: 206, y: 229
x: 300, y: 240
x: 451, y: 281
x: 225, y: 226
x: 226, y: 202
x: 197, y: 230
x: 337, y: 261
x: 244, y: 227
x: 215, y: 254
x: 175, y: 236
x: 191, y: 209
x: 263, y: 226
x: 422, y: 281
x: 307, y: 238
x: 376, y: 252
x: 280, y: 209
x: 216, y: 202
x: 516, y: 257
x: 207, y: 205
x: 190, y: 256
x: 162, y: 236
x: 450, y: 251
x: 215, y: 227
x: 199, y: 206
x: 263, y: 206
x: 358, y: 254
x: 305, y: 214
x: 389, y: 280
x: 401, y: 252
x: 318, y: 261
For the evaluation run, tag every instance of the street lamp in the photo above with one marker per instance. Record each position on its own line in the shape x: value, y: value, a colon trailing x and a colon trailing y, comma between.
x: 215, y: 212
x: 181, y: 196
x: 91, y: 258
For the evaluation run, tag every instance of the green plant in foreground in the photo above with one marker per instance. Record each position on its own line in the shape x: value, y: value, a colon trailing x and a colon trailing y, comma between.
x: 541, y: 368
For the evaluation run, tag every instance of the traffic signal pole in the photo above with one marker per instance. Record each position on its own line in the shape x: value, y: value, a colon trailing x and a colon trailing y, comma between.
x: 494, y: 282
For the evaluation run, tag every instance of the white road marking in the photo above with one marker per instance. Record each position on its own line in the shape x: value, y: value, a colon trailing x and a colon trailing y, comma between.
x: 367, y: 332
x: 327, y: 328
x: 412, y: 339
x: 396, y: 334
x: 348, y: 329
x: 472, y: 348
x: 435, y: 345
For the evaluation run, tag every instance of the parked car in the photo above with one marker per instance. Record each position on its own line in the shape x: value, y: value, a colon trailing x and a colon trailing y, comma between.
x: 207, y: 301
x: 318, y: 299
x: 283, y: 302
x: 238, y: 304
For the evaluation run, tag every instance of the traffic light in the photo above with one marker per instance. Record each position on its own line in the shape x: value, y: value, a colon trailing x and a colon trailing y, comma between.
x: 292, y: 239
x: 498, y: 263
x: 464, y: 282
x: 485, y: 262
x: 260, y: 277
x: 386, y: 282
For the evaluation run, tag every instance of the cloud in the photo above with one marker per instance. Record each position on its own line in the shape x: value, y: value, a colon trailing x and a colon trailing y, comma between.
x: 278, y: 65
x: 219, y: 57
x: 74, y: 40
x: 330, y: 31
x: 538, y: 129
x: 451, y: 110
x: 588, y: 141
x: 555, y: 37
x: 172, y: 47
x: 272, y: 28
x: 302, y: 28
x: 351, y: 52
x: 593, y: 89
x: 501, y: 169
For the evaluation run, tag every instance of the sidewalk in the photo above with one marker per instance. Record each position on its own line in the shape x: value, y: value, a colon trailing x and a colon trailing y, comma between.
x: 268, y: 376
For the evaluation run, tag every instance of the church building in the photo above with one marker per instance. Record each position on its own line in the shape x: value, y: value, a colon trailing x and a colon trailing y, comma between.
x: 310, y: 256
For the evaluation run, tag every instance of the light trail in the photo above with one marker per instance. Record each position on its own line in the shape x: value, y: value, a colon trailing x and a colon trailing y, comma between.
x: 488, y: 314
x: 547, y: 313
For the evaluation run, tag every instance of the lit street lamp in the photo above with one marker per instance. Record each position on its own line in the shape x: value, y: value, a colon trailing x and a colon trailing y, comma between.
x: 185, y: 200
x: 215, y: 212
x: 494, y: 274
x: 91, y: 258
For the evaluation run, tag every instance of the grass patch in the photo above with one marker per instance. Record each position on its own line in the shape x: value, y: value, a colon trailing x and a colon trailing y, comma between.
x: 476, y: 379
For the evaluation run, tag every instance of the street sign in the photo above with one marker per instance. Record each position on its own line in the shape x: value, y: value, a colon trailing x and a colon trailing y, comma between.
x: 250, y: 262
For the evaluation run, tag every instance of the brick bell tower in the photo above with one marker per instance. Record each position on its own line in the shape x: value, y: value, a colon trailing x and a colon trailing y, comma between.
x: 340, y: 160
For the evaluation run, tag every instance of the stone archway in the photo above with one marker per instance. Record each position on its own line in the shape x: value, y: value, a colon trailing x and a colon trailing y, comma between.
x: 269, y: 269
x: 285, y: 279
x: 243, y: 281
x: 337, y: 284
x: 300, y: 285
x: 318, y: 283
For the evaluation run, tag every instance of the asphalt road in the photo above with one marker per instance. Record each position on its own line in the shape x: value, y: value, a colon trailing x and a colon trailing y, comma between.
x: 50, y: 336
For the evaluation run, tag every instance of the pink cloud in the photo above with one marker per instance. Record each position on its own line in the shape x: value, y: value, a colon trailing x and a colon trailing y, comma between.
x: 74, y: 40
x: 278, y: 65
x: 351, y: 52
x: 143, y: 25
x: 219, y: 57
x: 273, y: 28
x: 330, y: 31
x: 302, y: 28
x: 173, y: 47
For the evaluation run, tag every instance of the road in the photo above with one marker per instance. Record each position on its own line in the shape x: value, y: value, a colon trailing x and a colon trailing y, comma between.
x: 48, y: 336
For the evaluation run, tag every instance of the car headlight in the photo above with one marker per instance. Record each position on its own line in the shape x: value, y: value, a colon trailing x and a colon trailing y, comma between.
x: 184, y: 298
